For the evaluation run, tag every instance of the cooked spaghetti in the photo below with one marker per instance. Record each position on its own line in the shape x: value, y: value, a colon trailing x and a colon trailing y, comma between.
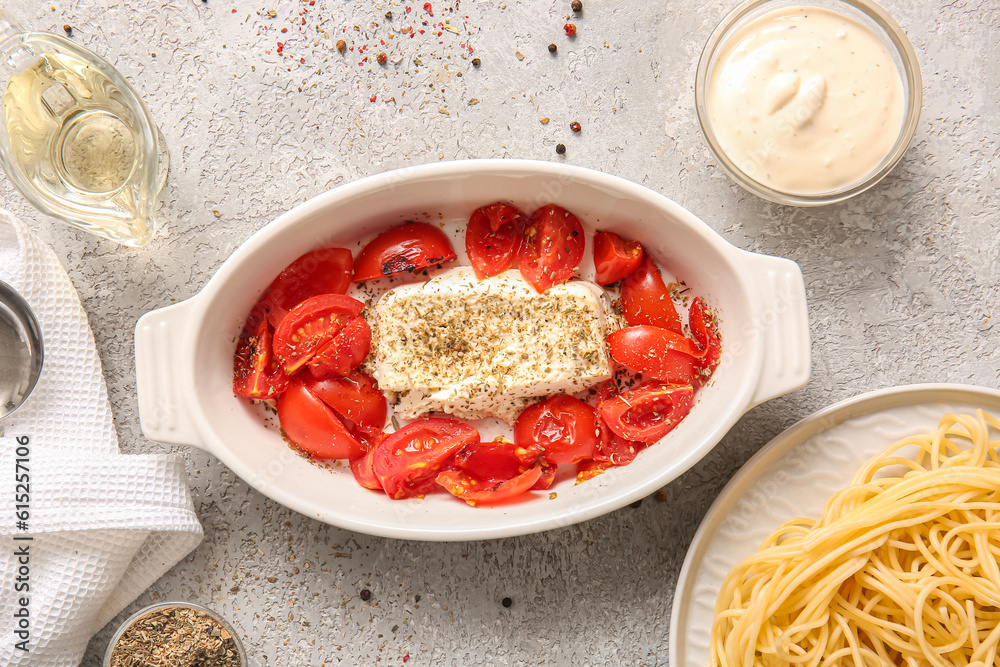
x: 901, y: 569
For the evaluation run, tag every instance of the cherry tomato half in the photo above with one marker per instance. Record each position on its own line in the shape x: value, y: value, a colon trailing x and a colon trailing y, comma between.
x: 658, y: 353
x: 256, y: 374
x: 363, y: 468
x: 310, y: 326
x: 615, y: 258
x: 496, y: 461
x: 647, y: 413
x: 646, y: 299
x: 477, y: 492
x: 409, y: 247
x: 552, y: 248
x: 355, y: 397
x: 493, y: 237
x: 313, y: 426
x: 408, y: 460
x: 323, y: 271
x: 345, y: 352
x: 564, y: 427
x: 704, y: 328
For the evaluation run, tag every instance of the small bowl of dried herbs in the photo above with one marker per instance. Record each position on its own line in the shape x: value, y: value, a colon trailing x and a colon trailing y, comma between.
x: 175, y: 634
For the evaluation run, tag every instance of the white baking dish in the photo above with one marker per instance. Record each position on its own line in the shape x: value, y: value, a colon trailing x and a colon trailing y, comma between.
x: 184, y: 352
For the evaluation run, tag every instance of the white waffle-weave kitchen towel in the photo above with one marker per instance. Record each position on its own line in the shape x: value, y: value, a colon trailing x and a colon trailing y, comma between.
x: 100, y: 527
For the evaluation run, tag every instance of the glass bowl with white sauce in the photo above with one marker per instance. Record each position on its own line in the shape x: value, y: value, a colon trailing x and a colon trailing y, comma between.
x: 808, y: 102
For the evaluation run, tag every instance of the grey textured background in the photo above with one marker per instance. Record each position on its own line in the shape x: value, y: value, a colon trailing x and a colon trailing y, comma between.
x: 902, y: 281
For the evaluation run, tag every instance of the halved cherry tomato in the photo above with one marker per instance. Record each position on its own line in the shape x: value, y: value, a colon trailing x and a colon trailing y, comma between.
x: 477, y: 492
x: 547, y: 477
x: 345, y: 352
x: 255, y: 372
x: 564, y: 427
x: 310, y: 326
x: 408, y: 460
x: 552, y: 248
x: 616, y: 450
x: 409, y: 247
x: 363, y: 468
x: 590, y: 469
x: 355, y: 397
x: 614, y: 258
x: 658, y: 353
x: 704, y: 328
x: 493, y: 237
x: 649, y: 412
x: 323, y: 271
x: 313, y: 426
x: 496, y: 461
x: 646, y: 299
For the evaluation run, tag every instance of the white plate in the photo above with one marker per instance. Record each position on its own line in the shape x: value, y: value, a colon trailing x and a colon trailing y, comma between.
x: 792, y: 476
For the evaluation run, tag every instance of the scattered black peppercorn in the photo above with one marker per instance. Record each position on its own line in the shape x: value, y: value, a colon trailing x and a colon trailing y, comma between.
x: 577, y: 6
x: 575, y: 126
x: 366, y: 595
x: 552, y: 48
x: 636, y: 504
x: 561, y: 149
x: 476, y: 62
x: 507, y: 602
x: 68, y: 29
x: 388, y: 15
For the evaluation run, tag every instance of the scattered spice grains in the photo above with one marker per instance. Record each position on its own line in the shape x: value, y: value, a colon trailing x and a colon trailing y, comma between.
x: 476, y: 62
x: 575, y: 126
x: 552, y: 48
x: 341, y: 45
x: 68, y: 29
x: 176, y: 637
x: 366, y: 595
x: 381, y: 58
x: 507, y: 602
x: 570, y: 29
x: 561, y: 149
x: 577, y: 6
x: 388, y: 16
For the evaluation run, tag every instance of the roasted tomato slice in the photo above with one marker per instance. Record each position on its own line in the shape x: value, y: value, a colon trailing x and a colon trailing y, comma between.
x: 478, y: 492
x: 647, y: 413
x: 345, y: 352
x: 255, y: 372
x: 363, y: 468
x: 409, y: 247
x: 552, y: 248
x: 493, y: 237
x: 646, y: 299
x: 313, y: 427
x: 323, y: 271
x: 614, y: 258
x: 705, y: 330
x: 658, y: 353
x: 408, y: 460
x: 310, y: 326
x: 564, y: 427
x: 355, y: 397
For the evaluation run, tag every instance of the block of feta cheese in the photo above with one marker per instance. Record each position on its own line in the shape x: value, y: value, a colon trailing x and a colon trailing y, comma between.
x: 480, y: 348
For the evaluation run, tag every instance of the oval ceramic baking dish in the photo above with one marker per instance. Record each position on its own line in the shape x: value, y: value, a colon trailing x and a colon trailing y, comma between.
x: 184, y: 352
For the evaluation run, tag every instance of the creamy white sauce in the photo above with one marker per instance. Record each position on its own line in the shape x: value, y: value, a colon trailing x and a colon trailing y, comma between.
x: 805, y: 100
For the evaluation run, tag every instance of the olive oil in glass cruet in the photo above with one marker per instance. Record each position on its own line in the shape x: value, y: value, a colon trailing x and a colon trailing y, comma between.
x: 76, y: 140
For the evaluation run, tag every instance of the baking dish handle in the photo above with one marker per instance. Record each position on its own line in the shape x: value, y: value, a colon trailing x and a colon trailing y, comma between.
x: 159, y: 375
x: 782, y: 322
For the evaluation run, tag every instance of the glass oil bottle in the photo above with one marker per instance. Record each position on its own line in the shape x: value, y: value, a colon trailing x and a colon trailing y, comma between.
x: 76, y: 140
